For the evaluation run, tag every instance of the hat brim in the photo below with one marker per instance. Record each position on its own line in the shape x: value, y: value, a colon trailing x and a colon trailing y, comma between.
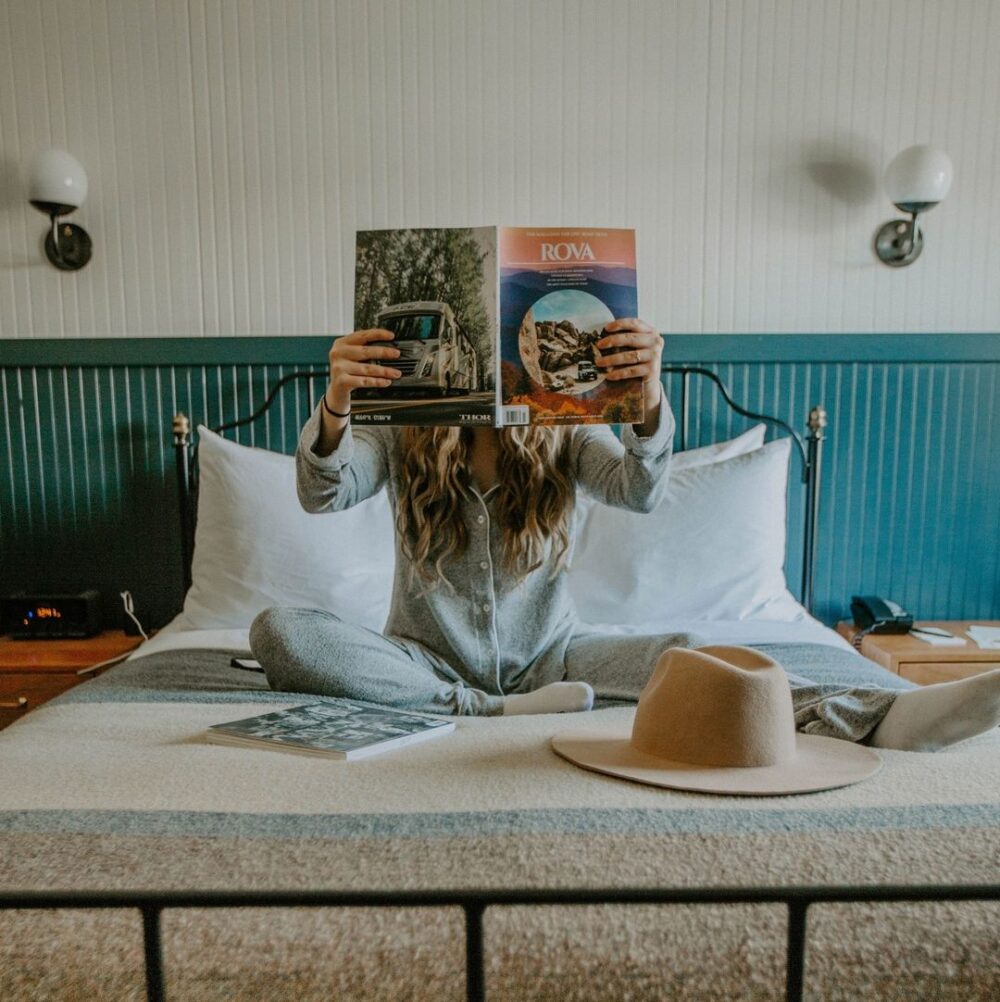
x: 819, y: 764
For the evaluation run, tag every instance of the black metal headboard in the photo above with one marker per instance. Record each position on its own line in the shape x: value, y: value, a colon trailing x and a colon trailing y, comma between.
x: 809, y: 451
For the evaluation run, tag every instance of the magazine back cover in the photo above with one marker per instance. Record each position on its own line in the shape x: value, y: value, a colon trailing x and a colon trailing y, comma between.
x: 558, y: 289
x: 436, y: 290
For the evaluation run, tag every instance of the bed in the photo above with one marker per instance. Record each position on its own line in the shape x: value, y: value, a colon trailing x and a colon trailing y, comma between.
x: 470, y: 866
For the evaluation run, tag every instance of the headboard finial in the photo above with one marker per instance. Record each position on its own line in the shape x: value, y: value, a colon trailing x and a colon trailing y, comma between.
x: 817, y: 419
x: 181, y: 428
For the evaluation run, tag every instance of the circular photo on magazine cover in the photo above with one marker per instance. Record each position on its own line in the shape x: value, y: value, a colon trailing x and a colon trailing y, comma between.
x: 558, y: 341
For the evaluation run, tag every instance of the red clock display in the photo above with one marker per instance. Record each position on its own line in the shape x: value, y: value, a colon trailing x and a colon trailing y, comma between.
x: 42, y: 612
x: 50, y: 615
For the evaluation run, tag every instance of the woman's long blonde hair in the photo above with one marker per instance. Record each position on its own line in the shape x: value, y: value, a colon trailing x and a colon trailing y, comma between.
x: 535, y: 498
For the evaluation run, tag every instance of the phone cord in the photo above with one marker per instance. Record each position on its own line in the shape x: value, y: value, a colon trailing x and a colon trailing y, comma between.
x: 861, y: 634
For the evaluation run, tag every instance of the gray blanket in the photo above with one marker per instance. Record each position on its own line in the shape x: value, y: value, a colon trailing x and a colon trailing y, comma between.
x: 205, y: 676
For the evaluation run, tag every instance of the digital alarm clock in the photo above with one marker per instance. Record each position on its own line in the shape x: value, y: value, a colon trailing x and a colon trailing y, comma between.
x: 39, y: 616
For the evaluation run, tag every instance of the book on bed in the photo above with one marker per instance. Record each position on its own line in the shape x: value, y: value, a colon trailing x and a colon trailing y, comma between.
x: 344, y: 728
x: 496, y: 325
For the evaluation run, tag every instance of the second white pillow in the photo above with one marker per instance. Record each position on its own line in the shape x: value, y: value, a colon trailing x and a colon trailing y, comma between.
x: 714, y: 548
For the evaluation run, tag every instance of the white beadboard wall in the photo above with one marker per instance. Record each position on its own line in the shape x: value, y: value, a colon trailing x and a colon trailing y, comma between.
x: 233, y: 147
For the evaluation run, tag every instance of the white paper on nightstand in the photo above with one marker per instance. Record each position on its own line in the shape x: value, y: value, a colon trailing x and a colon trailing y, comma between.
x: 929, y: 638
x: 987, y: 637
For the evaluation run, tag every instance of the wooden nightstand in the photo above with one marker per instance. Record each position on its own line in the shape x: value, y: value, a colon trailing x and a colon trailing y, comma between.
x: 32, y: 671
x: 921, y: 662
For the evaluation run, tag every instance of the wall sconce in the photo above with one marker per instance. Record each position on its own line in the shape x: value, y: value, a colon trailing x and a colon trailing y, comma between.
x: 915, y: 181
x: 58, y: 186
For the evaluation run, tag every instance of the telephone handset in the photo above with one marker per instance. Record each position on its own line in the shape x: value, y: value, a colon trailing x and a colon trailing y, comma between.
x: 880, y: 615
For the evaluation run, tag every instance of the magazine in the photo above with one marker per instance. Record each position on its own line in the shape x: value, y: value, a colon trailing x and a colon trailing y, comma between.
x: 496, y: 325
x: 344, y: 728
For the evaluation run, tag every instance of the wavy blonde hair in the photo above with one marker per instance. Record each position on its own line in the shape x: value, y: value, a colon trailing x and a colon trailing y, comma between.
x: 535, y: 499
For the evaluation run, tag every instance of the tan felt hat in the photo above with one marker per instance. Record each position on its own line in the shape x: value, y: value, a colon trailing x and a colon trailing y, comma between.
x: 719, y: 719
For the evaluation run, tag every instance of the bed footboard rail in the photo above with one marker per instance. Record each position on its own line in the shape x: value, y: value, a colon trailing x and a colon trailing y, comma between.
x: 475, y: 902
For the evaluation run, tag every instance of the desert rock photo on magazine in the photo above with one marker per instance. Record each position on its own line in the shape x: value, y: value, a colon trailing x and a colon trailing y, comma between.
x: 435, y: 289
x: 558, y: 290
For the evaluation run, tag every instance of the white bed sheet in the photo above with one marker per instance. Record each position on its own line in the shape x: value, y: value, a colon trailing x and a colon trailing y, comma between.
x: 175, y: 635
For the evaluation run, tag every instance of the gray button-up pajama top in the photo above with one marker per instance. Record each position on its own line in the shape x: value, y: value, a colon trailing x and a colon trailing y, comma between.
x: 461, y: 649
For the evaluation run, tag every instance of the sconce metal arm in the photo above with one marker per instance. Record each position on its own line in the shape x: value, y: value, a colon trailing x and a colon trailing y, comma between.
x: 54, y: 219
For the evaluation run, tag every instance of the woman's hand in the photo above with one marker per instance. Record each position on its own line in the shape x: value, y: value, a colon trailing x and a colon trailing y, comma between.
x: 353, y: 364
x: 637, y: 354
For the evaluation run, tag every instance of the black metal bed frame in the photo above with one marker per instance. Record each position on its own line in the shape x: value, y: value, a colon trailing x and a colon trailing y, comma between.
x: 809, y: 451
x: 151, y: 904
x: 475, y: 902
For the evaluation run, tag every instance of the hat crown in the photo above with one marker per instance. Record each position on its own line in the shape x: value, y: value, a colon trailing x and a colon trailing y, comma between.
x: 719, y: 705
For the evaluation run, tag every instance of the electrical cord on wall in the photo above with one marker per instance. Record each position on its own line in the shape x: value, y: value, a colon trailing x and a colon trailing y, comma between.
x: 130, y: 611
x: 129, y: 607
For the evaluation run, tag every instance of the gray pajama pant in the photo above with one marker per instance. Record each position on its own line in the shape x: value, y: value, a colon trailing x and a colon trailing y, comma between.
x: 317, y: 652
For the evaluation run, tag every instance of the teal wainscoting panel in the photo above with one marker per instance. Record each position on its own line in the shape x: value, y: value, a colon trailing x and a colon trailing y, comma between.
x: 910, y: 493
x: 910, y: 498
x: 88, y: 494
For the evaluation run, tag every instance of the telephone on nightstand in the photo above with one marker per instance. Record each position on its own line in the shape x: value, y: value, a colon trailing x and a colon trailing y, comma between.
x: 879, y: 615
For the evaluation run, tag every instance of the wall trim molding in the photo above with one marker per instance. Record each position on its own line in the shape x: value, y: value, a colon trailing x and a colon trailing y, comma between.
x: 125, y: 351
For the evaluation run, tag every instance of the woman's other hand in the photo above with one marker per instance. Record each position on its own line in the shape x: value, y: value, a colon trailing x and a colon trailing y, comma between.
x: 634, y: 350
x: 354, y: 362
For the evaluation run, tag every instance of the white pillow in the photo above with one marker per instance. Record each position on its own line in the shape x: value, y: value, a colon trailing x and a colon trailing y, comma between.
x: 714, y: 548
x: 751, y: 439
x: 714, y: 453
x: 256, y: 547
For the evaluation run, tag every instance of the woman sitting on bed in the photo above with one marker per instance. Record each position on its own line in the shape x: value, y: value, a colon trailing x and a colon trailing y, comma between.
x: 481, y: 621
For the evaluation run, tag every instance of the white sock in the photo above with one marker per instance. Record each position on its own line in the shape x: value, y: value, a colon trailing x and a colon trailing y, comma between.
x: 935, y: 716
x: 559, y: 697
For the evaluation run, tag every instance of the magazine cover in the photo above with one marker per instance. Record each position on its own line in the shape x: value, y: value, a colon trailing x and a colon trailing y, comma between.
x: 342, y: 729
x: 558, y: 288
x: 436, y: 290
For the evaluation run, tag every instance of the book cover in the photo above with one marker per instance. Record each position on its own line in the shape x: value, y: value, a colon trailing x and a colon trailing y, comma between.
x: 436, y: 290
x: 558, y: 289
x: 344, y: 728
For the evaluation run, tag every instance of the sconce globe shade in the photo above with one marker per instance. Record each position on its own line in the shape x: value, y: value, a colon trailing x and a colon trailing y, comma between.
x: 58, y: 182
x: 918, y: 178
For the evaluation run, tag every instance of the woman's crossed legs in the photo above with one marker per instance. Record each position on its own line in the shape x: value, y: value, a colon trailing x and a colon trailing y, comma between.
x: 313, y: 651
